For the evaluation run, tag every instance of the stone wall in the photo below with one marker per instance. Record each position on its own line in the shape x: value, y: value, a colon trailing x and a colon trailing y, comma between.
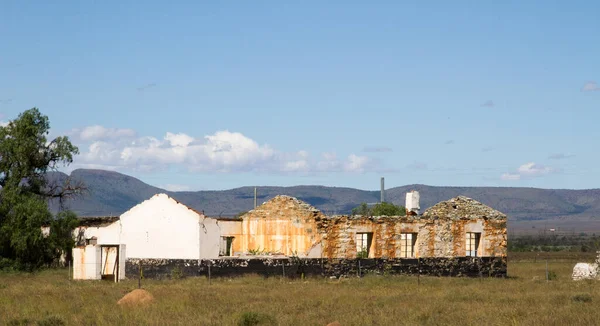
x: 434, y: 237
x: 440, y: 231
x: 288, y: 226
x: 282, y: 225
x: 315, y: 267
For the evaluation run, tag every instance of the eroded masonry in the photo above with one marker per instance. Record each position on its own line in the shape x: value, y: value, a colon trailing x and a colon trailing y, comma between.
x: 460, y: 236
x: 459, y: 227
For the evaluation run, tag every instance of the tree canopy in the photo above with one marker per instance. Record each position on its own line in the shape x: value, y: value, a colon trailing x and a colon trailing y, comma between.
x: 26, y: 156
x: 379, y: 209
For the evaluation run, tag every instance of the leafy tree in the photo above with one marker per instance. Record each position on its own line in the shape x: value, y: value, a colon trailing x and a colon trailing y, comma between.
x: 388, y: 209
x: 362, y: 209
x: 26, y: 156
x: 379, y: 209
x: 61, y: 233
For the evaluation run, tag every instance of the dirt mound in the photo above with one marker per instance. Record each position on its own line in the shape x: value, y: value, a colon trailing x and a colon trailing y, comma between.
x: 335, y: 323
x: 136, y: 297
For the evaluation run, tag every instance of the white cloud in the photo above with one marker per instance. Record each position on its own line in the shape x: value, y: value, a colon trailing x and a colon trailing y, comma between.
x: 175, y: 187
x: 3, y: 123
x: 510, y: 176
x: 532, y: 169
x: 328, y: 162
x: 590, y: 87
x: 178, y: 140
x: 223, y: 151
x: 356, y: 163
x: 298, y: 162
x: 96, y: 132
x: 528, y: 170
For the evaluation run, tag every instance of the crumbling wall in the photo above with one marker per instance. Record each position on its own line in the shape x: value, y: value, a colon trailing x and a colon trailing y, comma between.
x: 315, y: 267
x: 455, y: 217
x: 437, y: 235
x: 287, y: 226
x: 495, y: 241
x: 232, y: 228
x: 339, y: 234
x: 283, y: 225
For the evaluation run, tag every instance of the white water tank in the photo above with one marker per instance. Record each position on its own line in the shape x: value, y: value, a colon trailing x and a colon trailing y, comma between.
x: 412, y: 201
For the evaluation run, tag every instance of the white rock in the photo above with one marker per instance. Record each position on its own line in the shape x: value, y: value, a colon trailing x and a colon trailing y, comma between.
x: 583, y: 271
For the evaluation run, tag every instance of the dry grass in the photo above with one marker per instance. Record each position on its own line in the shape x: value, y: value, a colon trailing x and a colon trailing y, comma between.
x: 525, y: 298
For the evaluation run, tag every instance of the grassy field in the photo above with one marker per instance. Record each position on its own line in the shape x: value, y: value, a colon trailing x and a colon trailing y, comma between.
x: 525, y: 298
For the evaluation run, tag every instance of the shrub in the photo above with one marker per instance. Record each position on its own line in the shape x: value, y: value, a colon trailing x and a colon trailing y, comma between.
x: 176, y: 273
x: 362, y: 254
x: 255, y: 252
x: 19, y: 322
x: 251, y: 318
x: 584, y: 297
x: 51, y: 321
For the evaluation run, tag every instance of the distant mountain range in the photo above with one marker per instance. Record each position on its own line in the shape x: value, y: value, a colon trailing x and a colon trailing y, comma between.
x: 112, y: 193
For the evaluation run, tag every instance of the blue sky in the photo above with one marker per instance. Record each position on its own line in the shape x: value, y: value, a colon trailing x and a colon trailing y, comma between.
x: 198, y: 95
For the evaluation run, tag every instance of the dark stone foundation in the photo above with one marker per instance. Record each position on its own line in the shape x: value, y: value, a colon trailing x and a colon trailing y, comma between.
x: 316, y: 267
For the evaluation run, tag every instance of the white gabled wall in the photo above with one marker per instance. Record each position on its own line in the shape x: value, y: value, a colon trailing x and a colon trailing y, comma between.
x: 160, y: 227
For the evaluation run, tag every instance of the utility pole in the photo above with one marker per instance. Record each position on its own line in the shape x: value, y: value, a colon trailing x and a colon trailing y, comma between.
x: 382, y: 189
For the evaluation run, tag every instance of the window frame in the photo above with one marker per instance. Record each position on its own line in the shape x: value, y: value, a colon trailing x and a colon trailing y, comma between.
x: 408, y: 241
x: 472, y: 244
x: 227, y: 250
x: 366, y: 240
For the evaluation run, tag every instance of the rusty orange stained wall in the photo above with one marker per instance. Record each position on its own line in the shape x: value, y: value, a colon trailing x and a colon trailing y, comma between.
x: 282, y: 225
x: 289, y: 226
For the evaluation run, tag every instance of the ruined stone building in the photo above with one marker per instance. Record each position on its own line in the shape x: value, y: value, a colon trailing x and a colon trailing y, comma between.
x: 164, y: 231
x: 458, y: 227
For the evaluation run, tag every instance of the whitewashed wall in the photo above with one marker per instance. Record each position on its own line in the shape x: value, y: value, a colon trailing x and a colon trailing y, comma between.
x: 160, y: 227
x: 108, y: 234
x: 86, y: 263
x: 209, y: 238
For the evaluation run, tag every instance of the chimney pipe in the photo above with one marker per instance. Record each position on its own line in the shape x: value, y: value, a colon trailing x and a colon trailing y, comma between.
x: 382, y: 189
x: 412, y: 202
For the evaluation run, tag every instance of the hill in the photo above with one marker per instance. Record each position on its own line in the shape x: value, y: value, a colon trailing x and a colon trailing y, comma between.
x: 112, y: 193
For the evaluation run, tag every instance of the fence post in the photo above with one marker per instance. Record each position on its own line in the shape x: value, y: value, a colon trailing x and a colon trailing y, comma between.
x: 418, y: 271
x: 140, y: 275
x: 546, y: 269
x: 283, y: 267
x: 209, y: 264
